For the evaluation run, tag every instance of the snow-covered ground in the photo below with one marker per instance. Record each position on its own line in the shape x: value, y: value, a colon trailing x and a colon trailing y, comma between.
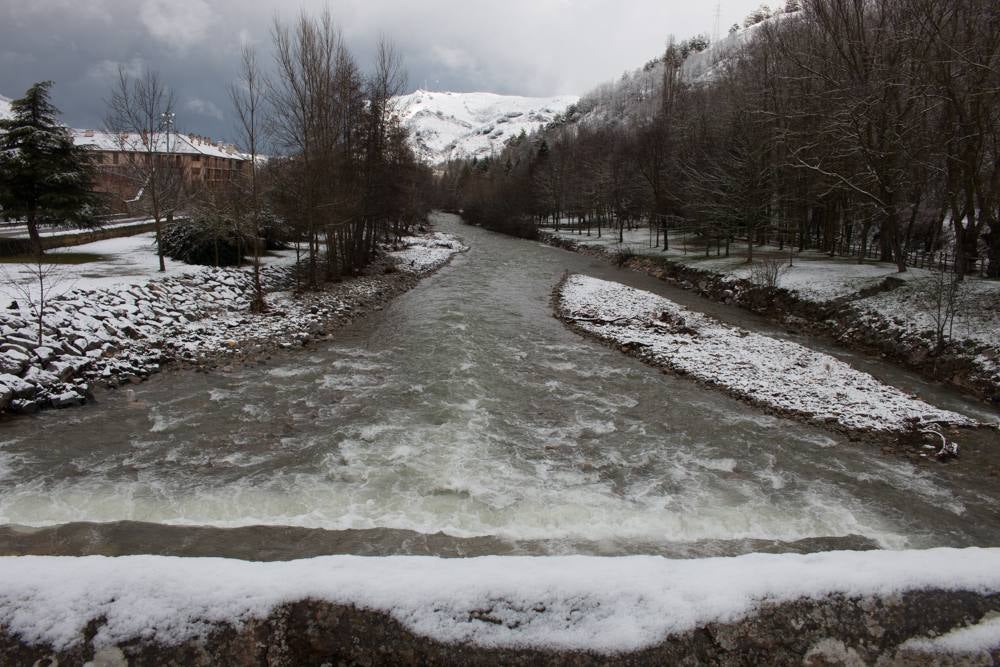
x: 420, y: 254
x: 608, y: 605
x: 910, y: 307
x: 122, y: 319
x: 812, y: 276
x: 128, y: 260
x: 820, y: 279
x: 781, y: 375
x: 446, y: 126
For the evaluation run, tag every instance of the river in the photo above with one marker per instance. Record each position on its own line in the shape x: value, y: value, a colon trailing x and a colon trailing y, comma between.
x: 464, y: 419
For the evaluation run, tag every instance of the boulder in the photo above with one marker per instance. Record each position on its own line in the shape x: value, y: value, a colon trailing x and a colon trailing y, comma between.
x: 18, y: 386
x: 67, y: 399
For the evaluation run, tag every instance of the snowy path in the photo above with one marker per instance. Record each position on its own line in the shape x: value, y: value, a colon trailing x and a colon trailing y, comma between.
x: 780, y: 375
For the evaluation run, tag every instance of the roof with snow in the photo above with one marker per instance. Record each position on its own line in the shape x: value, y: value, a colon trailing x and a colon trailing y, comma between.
x: 5, y: 107
x: 175, y: 142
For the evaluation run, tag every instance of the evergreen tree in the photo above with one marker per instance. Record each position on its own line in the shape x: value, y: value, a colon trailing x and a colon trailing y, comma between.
x: 44, y: 177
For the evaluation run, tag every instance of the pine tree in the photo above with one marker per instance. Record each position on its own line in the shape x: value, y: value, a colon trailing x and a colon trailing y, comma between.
x: 44, y: 177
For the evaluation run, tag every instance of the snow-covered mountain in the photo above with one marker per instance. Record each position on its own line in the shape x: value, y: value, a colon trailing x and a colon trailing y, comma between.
x: 5, y: 107
x: 444, y: 126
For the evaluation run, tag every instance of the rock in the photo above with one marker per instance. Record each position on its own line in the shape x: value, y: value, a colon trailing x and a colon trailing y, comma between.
x: 11, y: 364
x: 67, y: 399
x: 24, y: 406
x: 20, y: 387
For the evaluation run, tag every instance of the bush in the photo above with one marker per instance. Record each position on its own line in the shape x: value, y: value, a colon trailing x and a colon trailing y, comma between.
x: 203, y: 240
x: 767, y: 272
x: 623, y: 255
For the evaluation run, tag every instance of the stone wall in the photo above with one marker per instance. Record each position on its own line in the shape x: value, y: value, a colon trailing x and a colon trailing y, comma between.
x: 13, y: 247
x: 833, y: 631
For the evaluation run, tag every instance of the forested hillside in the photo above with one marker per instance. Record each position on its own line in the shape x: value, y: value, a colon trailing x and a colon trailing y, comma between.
x: 848, y: 126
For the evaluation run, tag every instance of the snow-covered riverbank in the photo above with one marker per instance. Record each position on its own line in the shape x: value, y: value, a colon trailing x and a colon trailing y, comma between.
x: 114, y: 335
x: 607, y: 606
x: 779, y: 375
x: 870, y: 307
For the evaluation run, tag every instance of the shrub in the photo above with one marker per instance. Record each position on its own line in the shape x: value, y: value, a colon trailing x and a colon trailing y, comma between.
x: 203, y: 240
x: 623, y: 255
x: 767, y: 272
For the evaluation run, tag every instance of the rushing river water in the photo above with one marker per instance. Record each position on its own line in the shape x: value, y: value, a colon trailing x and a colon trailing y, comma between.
x: 465, y: 408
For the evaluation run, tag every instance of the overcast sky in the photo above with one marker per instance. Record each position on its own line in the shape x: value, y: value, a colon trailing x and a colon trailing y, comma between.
x: 520, y: 47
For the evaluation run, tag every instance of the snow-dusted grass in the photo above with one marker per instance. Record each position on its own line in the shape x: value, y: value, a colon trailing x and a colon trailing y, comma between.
x: 910, y: 307
x: 607, y: 605
x: 420, y: 254
x: 813, y: 276
x: 124, y: 261
x: 780, y: 375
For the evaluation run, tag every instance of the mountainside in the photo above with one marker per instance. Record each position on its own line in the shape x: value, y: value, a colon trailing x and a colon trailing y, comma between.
x: 635, y: 96
x: 444, y: 126
x: 4, y: 107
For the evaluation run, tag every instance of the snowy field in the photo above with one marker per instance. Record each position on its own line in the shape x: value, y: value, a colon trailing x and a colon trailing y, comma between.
x: 125, y: 261
x: 608, y: 605
x: 818, y: 278
x: 779, y: 374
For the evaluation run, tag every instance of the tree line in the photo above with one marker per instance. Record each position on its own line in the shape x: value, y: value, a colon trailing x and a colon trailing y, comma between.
x: 846, y: 126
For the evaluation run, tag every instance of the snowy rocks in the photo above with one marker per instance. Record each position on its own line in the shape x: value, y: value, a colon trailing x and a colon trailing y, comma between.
x: 780, y: 376
x: 120, y: 336
x: 15, y: 385
x: 67, y: 399
x: 424, y: 254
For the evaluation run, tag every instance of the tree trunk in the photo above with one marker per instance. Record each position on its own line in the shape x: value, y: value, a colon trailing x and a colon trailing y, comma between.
x: 36, y: 239
x: 157, y: 225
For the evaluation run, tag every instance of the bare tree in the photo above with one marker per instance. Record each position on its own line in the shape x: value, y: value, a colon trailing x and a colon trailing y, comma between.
x: 140, y: 121
x: 39, y: 282
x: 247, y: 95
x: 943, y: 297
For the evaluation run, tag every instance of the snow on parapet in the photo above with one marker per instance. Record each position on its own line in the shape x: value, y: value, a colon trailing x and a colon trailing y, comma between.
x: 446, y: 126
x: 783, y: 376
x: 608, y: 605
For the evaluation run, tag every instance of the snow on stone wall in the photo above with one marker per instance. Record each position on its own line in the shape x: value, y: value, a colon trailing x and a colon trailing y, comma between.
x: 606, y: 605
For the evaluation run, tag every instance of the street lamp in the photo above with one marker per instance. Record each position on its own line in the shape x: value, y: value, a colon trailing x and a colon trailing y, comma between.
x: 167, y: 122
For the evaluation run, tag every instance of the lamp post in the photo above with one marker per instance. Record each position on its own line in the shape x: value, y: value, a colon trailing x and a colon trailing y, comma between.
x: 167, y: 121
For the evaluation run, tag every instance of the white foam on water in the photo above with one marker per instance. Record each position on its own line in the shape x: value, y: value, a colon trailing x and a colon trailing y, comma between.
x: 290, y: 371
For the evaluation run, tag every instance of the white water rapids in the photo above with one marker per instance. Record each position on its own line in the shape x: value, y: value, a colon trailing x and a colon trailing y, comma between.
x: 465, y: 408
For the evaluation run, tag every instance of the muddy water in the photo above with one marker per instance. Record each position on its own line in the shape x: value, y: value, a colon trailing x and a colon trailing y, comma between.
x: 465, y: 419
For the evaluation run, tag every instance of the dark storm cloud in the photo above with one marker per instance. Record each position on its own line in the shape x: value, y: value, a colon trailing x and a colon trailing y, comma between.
x: 526, y: 47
